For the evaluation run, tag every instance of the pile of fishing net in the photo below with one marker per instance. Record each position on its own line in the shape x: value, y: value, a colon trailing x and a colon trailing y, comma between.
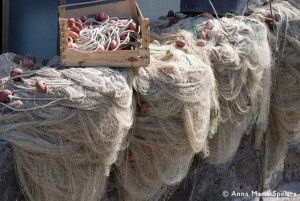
x: 284, y: 129
x: 180, y: 112
x: 176, y: 103
x: 240, y: 57
x: 242, y: 69
x: 66, y: 140
x: 150, y: 122
x: 285, y: 107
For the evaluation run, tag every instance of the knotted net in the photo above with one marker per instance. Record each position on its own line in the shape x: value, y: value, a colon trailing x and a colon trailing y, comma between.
x: 177, y: 89
x: 66, y: 140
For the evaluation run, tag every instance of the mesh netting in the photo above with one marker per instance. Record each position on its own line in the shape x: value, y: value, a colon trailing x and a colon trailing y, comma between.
x: 285, y: 108
x: 176, y: 90
x: 66, y: 140
x: 189, y: 100
x: 243, y: 77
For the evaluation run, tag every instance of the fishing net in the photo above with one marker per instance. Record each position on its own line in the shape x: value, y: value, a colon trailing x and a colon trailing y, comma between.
x: 6, y: 64
x: 189, y: 100
x: 286, y: 98
x: 176, y: 105
x: 240, y: 56
x: 284, y: 37
x: 66, y: 140
x: 243, y: 74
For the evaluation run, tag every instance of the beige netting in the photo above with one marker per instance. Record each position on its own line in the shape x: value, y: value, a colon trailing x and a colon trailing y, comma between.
x: 241, y: 62
x: 65, y: 141
x: 243, y: 74
x: 177, y: 90
x: 175, y: 125
x: 285, y: 101
x: 285, y: 104
x: 189, y: 100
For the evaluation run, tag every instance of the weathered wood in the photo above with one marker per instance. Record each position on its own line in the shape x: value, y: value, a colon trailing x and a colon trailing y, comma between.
x: 118, y: 58
x: 145, y: 33
x: 118, y: 9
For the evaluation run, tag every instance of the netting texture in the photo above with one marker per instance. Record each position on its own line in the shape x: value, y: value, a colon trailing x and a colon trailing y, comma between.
x: 176, y: 91
x: 284, y: 37
x: 66, y: 140
x: 150, y: 122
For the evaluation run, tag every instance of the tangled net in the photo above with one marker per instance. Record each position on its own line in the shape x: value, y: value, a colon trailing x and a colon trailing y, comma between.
x: 65, y: 141
x: 285, y: 105
x: 100, y: 35
x: 176, y: 91
x: 284, y: 129
x: 243, y: 73
x: 189, y: 100
x: 240, y: 56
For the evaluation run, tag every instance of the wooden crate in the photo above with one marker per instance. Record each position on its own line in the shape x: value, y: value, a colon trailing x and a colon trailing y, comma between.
x: 116, y: 58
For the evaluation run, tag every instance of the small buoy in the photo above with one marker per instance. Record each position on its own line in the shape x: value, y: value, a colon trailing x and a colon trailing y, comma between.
x: 4, y: 95
x: 244, y: 30
x: 155, y: 42
x: 83, y: 18
x: 29, y: 58
x: 18, y: 59
x: 101, y: 16
x: 101, y: 48
x: 146, y: 148
x: 112, y: 22
x: 28, y: 65
x: 173, y: 20
x: 73, y: 45
x: 78, y: 21
x: 200, y: 43
x: 209, y: 24
x: 45, y: 62
x: 113, y: 45
x: 202, y: 35
x: 220, y: 37
x: 41, y: 86
x: 171, y: 13
x: 123, y: 37
x: 70, y: 22
x: 132, y: 26
x: 180, y: 43
x: 130, y: 157
x: 143, y: 108
x: 14, y: 72
x: 207, y: 15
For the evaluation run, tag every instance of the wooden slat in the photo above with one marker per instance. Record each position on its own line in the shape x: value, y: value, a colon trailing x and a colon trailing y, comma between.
x: 145, y: 32
x: 62, y: 12
x: 119, y: 58
x: 63, y: 33
x: 117, y: 9
x: 133, y: 10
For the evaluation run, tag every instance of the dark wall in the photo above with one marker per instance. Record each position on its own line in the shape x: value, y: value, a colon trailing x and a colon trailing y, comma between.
x: 33, y: 27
